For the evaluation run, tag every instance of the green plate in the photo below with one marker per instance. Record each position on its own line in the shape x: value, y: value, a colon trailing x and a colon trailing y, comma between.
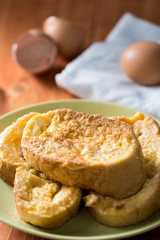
x: 83, y: 225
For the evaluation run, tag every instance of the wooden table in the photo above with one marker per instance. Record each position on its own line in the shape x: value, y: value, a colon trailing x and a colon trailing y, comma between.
x: 19, y: 88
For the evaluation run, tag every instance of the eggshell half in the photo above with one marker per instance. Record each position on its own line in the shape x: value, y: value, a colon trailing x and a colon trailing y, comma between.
x: 34, y: 51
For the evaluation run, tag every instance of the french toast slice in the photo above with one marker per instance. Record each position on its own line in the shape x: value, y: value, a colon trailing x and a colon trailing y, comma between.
x: 11, y: 155
x: 39, y: 200
x: 86, y: 151
x: 138, y: 207
x: 43, y: 202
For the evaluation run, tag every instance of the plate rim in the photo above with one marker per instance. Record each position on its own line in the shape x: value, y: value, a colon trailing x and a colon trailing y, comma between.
x: 36, y: 232
x: 66, y: 100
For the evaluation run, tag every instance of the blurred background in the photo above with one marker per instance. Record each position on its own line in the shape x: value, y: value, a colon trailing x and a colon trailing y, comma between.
x: 97, y: 17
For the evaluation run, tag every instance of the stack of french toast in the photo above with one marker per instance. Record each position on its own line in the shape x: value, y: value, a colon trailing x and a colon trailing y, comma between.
x: 50, y: 158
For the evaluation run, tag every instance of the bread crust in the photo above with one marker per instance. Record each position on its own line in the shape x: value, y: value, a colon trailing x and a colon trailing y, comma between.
x: 86, y: 151
x: 42, y: 202
x: 136, y: 208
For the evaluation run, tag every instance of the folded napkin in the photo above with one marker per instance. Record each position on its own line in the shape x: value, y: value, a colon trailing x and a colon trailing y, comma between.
x: 97, y: 74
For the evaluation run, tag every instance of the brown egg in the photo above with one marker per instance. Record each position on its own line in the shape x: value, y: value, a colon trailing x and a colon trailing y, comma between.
x: 34, y: 51
x: 141, y: 62
x: 68, y: 35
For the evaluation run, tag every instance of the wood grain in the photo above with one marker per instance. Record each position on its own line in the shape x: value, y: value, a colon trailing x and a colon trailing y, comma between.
x: 19, y: 88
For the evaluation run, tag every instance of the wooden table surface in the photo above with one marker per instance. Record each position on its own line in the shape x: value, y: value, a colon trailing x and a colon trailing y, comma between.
x: 19, y: 88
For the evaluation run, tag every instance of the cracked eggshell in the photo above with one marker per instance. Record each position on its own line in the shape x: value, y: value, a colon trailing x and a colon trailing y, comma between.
x: 34, y: 51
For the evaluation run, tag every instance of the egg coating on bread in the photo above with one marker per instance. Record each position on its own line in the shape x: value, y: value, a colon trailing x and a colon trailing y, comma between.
x: 43, y: 202
x: 86, y: 151
x: 11, y: 155
x: 138, y: 207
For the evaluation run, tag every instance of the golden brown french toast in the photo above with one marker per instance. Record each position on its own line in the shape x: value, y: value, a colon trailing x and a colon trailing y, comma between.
x: 43, y: 202
x: 39, y: 200
x: 86, y: 151
x: 138, y: 207
x: 11, y: 155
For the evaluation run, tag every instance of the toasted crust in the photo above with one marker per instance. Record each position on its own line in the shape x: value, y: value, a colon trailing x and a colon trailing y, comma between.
x: 134, y: 209
x: 87, y: 151
x: 11, y: 155
x: 43, y: 202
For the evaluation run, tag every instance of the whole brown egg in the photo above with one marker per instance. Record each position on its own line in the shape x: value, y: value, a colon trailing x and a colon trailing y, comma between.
x: 68, y: 36
x: 141, y: 62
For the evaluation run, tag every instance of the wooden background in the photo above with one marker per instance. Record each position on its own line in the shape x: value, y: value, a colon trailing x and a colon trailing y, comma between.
x: 19, y: 88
